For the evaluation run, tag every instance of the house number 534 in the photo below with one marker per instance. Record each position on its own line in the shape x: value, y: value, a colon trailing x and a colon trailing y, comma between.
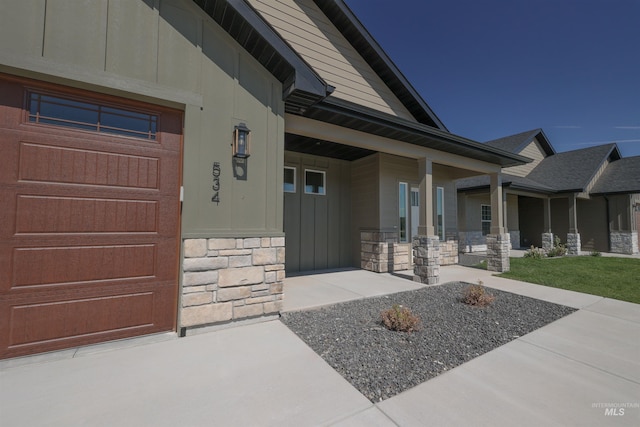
x: 216, y: 183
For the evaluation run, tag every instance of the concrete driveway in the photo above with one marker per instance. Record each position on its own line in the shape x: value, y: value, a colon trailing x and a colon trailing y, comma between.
x: 581, y: 370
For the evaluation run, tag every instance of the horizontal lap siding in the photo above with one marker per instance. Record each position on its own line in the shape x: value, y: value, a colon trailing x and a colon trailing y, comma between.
x: 315, y: 38
x: 533, y: 151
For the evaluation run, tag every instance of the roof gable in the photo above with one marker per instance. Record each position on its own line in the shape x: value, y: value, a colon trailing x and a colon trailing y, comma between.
x: 516, y: 143
x: 620, y: 177
x: 573, y: 171
x: 328, y: 37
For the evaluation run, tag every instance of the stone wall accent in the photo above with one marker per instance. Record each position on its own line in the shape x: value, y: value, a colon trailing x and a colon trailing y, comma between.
x: 547, y: 241
x: 377, y: 250
x: 226, y: 279
x: 498, y: 252
x: 471, y: 241
x: 426, y: 259
x: 573, y: 244
x: 624, y: 242
x: 400, y: 253
x: 449, y: 252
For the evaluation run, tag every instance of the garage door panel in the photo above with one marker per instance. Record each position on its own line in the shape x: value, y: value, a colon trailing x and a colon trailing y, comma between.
x: 67, y: 265
x: 89, y: 167
x: 49, y: 214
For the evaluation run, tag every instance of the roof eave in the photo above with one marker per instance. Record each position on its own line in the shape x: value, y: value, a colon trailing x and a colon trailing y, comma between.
x: 344, y: 113
x: 352, y: 29
x: 302, y: 86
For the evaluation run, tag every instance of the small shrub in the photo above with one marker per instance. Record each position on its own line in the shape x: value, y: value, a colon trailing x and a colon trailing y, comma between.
x: 477, y: 295
x: 558, y: 248
x: 595, y: 253
x: 535, y: 253
x: 399, y: 318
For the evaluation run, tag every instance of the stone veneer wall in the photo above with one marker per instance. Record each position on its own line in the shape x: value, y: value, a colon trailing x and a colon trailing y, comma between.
x: 449, y: 252
x: 471, y: 241
x: 227, y: 279
x: 426, y: 259
x: 574, y: 244
x: 375, y: 250
x: 624, y: 242
x: 498, y: 252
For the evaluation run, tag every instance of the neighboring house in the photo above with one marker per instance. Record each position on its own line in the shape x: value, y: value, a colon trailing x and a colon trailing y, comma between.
x: 130, y: 206
x: 589, y: 198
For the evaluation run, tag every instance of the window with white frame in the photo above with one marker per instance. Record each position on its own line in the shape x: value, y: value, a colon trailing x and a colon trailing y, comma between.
x: 289, y: 179
x: 440, y: 213
x: 485, y: 219
x: 314, y: 182
x: 402, y: 211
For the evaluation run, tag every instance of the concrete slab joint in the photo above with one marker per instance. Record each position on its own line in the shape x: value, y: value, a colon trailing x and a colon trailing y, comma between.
x: 426, y: 259
x: 228, y: 279
x: 498, y: 252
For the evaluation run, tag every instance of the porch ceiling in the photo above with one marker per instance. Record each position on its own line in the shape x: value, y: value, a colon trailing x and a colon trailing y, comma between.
x: 319, y: 147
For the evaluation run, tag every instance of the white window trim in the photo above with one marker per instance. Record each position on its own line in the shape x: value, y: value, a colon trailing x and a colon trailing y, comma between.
x: 438, y: 190
x: 324, y: 182
x: 407, y: 208
x: 295, y: 173
x: 485, y: 220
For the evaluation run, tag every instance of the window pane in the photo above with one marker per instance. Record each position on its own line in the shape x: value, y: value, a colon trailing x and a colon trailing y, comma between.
x: 402, y: 209
x: 289, y: 180
x: 314, y: 182
x: 48, y: 109
x: 440, y: 212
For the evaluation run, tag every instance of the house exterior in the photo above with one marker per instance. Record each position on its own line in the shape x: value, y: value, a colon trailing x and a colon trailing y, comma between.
x: 588, y: 198
x: 130, y: 206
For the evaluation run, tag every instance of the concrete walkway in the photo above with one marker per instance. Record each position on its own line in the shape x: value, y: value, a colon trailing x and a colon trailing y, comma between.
x: 581, y: 370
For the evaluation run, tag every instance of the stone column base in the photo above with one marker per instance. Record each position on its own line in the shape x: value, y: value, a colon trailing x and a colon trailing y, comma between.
x: 498, y: 252
x: 547, y: 241
x: 426, y: 259
x: 573, y: 244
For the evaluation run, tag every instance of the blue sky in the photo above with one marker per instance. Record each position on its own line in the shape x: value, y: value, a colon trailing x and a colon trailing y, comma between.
x: 494, y: 68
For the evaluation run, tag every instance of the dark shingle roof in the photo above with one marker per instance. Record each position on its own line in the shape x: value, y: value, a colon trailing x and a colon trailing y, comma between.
x: 621, y: 176
x: 516, y: 182
x: 516, y: 143
x: 573, y: 170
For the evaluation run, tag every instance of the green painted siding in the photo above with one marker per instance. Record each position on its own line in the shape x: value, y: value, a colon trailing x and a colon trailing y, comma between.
x: 171, y: 53
x: 317, y: 226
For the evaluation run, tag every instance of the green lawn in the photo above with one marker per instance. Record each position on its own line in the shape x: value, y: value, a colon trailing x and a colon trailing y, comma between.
x: 617, y: 278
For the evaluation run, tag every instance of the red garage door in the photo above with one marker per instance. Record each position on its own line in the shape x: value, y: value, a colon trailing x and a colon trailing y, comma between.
x: 89, y: 232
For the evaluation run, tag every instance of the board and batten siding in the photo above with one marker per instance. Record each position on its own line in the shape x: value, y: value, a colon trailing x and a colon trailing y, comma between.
x: 534, y: 151
x: 167, y: 52
x: 303, y: 25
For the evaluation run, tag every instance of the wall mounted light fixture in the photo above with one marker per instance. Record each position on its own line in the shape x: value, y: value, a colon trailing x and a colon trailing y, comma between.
x: 241, y: 141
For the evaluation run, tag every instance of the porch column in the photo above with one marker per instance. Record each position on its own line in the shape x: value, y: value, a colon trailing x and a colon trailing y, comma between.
x: 573, y: 237
x: 547, y: 235
x: 426, y: 246
x: 498, y: 241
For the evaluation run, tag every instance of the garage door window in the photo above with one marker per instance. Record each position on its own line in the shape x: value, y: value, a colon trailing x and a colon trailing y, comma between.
x: 59, y: 111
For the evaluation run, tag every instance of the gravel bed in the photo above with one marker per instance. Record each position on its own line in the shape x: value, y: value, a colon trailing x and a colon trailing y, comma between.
x: 382, y: 363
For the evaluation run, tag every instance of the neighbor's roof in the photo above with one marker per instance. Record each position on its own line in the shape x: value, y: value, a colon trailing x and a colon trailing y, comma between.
x: 620, y: 177
x: 512, y: 181
x: 516, y: 143
x: 573, y: 171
